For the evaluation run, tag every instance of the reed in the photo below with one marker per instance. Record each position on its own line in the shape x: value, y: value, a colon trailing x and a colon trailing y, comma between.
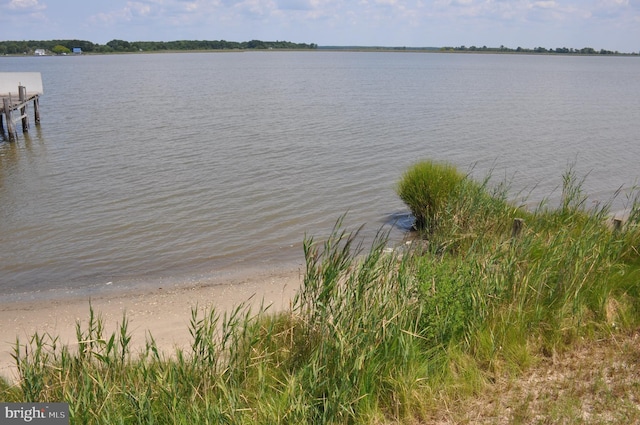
x: 427, y: 187
x: 372, y: 336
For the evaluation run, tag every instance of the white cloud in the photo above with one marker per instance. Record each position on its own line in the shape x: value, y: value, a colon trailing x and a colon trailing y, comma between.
x: 130, y: 11
x: 26, y: 5
x: 14, y: 13
x: 613, y: 3
x: 545, y: 4
x: 191, y: 7
x: 137, y: 8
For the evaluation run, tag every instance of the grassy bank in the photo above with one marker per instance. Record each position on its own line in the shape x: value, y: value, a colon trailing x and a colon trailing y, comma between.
x: 373, y: 336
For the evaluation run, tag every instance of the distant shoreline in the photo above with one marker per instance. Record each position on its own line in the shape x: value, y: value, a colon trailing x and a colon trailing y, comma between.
x: 75, y: 47
x: 336, y: 49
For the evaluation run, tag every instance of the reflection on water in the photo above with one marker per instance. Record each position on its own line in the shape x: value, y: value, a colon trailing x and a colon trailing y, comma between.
x: 20, y: 159
x: 401, y: 220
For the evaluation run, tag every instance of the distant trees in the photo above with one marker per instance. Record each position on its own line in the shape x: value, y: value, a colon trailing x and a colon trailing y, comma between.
x: 14, y: 47
x: 59, y: 49
x: 59, y: 46
x: 121, y: 46
x: 256, y: 44
x: 28, y: 47
x: 557, y: 50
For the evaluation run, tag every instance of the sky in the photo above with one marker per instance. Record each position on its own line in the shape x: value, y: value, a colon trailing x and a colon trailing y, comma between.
x: 600, y: 24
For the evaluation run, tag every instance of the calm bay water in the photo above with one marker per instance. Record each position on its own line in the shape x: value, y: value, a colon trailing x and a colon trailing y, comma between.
x: 189, y: 165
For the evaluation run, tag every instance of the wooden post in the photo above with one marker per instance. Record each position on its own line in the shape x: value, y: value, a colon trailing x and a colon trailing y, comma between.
x: 617, y: 224
x: 518, y: 224
x: 11, y: 128
x: 36, y: 110
x: 22, y: 92
x: 2, y: 123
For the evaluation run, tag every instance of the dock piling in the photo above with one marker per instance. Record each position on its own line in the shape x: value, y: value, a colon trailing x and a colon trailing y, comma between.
x: 36, y: 110
x: 8, y: 83
x: 11, y: 128
x: 22, y: 91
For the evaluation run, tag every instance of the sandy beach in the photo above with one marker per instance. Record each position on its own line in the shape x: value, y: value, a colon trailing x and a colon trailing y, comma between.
x: 162, y: 311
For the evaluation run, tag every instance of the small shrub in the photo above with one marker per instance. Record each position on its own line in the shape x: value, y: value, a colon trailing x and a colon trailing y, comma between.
x: 427, y: 187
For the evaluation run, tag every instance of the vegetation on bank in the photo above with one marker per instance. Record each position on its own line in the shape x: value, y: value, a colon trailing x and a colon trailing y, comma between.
x: 373, y: 336
x: 58, y: 47
x: 28, y: 47
x: 539, y: 49
x: 484, y: 49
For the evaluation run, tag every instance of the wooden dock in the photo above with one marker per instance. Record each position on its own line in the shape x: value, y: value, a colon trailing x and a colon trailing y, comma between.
x: 17, y: 90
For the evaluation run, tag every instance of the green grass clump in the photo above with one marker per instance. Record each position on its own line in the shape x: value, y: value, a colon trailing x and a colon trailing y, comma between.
x: 453, y: 211
x: 427, y: 187
x: 372, y: 337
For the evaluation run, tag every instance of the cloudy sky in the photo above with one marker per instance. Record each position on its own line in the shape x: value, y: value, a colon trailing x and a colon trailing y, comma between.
x: 601, y: 24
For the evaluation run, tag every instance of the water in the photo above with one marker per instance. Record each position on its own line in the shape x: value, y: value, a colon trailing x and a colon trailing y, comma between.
x: 161, y: 166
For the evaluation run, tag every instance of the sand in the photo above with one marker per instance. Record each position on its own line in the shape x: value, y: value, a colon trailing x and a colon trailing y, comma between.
x: 160, y: 310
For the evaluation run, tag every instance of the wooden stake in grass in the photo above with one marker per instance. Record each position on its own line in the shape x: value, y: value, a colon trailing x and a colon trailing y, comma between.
x: 516, y: 229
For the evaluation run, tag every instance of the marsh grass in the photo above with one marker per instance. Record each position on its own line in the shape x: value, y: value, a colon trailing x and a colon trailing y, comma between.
x: 372, y: 336
x: 427, y: 187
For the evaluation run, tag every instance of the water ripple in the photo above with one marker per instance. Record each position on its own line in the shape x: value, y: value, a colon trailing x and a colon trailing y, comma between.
x: 144, y: 166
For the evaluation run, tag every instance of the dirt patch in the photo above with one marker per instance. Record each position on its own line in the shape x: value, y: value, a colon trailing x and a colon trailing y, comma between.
x: 597, y: 382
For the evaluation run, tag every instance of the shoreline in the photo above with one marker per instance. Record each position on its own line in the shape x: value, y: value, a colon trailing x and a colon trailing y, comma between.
x: 161, y: 310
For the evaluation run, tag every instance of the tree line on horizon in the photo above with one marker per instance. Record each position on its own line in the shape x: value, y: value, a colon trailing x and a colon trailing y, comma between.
x: 122, y: 46
x: 559, y: 50
x: 117, y: 46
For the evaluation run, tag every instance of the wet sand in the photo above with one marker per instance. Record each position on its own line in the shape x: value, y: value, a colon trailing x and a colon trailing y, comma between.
x: 163, y: 311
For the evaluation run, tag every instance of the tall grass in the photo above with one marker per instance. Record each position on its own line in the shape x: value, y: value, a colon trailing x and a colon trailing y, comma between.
x: 372, y: 336
x: 361, y: 324
x: 505, y: 298
x: 349, y: 349
x: 427, y: 187
x: 453, y: 211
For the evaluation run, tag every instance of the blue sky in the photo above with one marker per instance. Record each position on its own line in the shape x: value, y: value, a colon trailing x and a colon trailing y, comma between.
x: 601, y: 24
